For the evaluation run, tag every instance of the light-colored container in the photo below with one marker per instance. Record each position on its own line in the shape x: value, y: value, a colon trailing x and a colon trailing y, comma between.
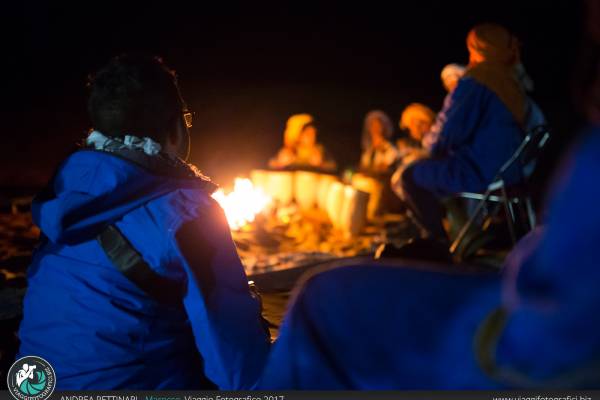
x: 325, y: 182
x: 280, y: 186
x: 335, y: 201
x: 371, y: 186
x: 306, y: 186
x: 353, y: 215
x: 260, y: 178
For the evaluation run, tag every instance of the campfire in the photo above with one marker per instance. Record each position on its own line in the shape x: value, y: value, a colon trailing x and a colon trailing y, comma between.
x: 243, y: 203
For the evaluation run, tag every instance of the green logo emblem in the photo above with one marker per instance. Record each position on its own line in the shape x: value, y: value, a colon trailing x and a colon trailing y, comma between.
x: 31, y: 378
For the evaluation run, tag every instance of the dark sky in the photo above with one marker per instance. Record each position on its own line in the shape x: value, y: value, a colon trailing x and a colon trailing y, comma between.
x: 243, y: 70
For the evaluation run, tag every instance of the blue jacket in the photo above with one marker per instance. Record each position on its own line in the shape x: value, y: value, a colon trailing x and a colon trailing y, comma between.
x: 374, y: 326
x: 473, y: 136
x: 101, y: 331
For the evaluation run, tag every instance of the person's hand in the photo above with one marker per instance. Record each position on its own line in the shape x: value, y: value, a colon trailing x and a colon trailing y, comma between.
x: 284, y: 158
x: 413, y: 155
x: 316, y: 158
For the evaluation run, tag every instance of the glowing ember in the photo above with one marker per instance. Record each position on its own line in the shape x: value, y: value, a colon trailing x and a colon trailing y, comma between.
x: 243, y: 203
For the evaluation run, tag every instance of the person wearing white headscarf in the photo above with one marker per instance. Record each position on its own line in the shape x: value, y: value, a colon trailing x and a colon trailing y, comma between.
x: 451, y: 74
x: 379, y: 154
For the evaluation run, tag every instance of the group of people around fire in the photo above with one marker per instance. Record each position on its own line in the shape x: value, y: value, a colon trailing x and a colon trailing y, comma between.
x: 485, y: 116
x: 137, y: 284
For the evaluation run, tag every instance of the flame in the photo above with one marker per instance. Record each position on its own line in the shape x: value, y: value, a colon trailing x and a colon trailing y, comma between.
x: 242, y: 204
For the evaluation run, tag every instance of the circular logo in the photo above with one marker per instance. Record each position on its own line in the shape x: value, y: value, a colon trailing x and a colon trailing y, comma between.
x: 31, y: 378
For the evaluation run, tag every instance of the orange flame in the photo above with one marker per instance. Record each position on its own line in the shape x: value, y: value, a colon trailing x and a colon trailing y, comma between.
x: 242, y: 204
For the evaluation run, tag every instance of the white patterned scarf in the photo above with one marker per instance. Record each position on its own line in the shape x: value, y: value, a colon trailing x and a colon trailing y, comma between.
x: 99, y: 141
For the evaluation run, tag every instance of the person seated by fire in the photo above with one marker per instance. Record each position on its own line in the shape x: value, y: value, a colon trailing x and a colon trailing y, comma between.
x: 450, y: 76
x: 481, y: 127
x: 137, y: 282
x: 459, y: 210
x: 301, y: 149
x: 379, y: 154
x: 416, y: 120
x: 287, y: 154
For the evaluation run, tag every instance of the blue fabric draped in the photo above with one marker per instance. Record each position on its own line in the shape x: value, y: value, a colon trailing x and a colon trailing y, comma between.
x: 370, y: 326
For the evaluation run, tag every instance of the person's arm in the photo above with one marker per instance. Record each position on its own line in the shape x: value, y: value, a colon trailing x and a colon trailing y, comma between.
x: 455, y: 123
x: 365, y: 159
x: 391, y: 156
x: 225, y: 318
x: 284, y: 158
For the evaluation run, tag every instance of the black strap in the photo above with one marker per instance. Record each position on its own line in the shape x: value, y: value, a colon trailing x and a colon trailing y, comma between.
x: 131, y: 264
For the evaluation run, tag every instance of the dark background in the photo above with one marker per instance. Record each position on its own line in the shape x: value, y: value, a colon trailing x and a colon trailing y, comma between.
x: 244, y: 70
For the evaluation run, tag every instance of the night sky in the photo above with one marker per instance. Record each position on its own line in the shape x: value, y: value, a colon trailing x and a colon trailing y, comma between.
x: 244, y: 70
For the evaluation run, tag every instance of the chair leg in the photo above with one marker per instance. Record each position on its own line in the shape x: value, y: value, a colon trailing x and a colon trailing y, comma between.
x: 510, y: 215
x: 530, y: 213
x: 465, y: 228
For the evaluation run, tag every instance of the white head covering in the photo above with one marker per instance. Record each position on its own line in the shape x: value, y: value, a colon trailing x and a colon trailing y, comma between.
x: 452, y: 70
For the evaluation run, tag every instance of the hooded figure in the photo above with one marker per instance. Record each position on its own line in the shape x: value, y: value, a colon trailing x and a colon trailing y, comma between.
x: 378, y: 153
x: 493, y: 58
x: 137, y: 283
x: 479, y: 128
x: 300, y: 147
x: 286, y: 156
x: 293, y: 128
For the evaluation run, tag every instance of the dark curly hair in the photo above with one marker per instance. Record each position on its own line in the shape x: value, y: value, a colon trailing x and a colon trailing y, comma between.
x: 135, y: 95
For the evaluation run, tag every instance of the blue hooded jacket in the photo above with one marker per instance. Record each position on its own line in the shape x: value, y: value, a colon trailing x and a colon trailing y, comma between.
x: 97, y: 328
x: 373, y: 325
x: 473, y: 136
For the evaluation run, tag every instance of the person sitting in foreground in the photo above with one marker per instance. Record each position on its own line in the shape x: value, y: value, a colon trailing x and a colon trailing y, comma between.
x: 416, y: 119
x: 137, y: 283
x: 379, y: 154
x: 301, y: 149
x: 479, y: 128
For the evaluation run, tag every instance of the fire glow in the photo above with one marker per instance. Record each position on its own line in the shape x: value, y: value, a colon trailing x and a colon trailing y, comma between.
x: 242, y: 204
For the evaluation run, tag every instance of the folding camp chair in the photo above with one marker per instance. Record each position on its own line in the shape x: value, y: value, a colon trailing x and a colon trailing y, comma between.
x: 510, y: 196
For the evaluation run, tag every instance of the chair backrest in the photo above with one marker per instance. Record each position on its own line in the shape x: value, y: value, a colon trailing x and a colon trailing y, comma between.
x: 528, y: 152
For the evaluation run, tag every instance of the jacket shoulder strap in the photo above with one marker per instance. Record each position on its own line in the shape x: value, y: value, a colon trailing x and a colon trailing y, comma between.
x: 131, y: 264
